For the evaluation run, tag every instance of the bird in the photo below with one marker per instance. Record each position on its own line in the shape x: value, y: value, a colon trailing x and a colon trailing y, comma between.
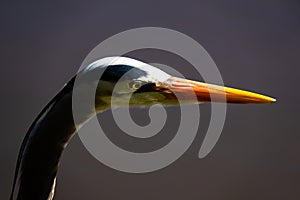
x: 123, y: 77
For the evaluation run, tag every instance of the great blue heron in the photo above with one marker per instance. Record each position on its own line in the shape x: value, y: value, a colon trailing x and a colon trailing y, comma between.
x: 146, y: 85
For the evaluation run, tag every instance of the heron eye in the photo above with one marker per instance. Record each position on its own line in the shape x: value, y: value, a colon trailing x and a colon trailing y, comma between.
x: 135, y: 84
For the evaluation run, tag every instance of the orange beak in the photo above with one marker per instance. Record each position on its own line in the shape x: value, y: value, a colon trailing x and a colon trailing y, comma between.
x: 190, y: 91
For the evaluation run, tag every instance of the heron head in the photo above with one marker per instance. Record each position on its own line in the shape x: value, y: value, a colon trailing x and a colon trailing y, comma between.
x: 128, y: 82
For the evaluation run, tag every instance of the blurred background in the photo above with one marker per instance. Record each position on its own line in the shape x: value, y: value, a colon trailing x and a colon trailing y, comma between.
x: 255, y: 44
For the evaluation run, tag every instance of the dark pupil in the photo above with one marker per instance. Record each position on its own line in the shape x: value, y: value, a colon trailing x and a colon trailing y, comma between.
x: 135, y: 84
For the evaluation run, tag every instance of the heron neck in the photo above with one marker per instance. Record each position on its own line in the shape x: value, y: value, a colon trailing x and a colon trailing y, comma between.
x: 43, y: 146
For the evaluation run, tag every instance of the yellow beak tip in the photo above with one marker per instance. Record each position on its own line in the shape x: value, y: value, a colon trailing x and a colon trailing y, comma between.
x: 267, y: 99
x: 272, y: 100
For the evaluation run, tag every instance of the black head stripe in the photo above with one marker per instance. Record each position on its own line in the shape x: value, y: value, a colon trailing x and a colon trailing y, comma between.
x: 115, y: 72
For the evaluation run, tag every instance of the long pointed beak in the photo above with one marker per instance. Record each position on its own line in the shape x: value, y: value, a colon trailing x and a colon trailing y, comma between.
x: 187, y: 90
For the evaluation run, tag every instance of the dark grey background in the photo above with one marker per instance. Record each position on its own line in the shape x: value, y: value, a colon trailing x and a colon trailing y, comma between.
x: 255, y: 44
